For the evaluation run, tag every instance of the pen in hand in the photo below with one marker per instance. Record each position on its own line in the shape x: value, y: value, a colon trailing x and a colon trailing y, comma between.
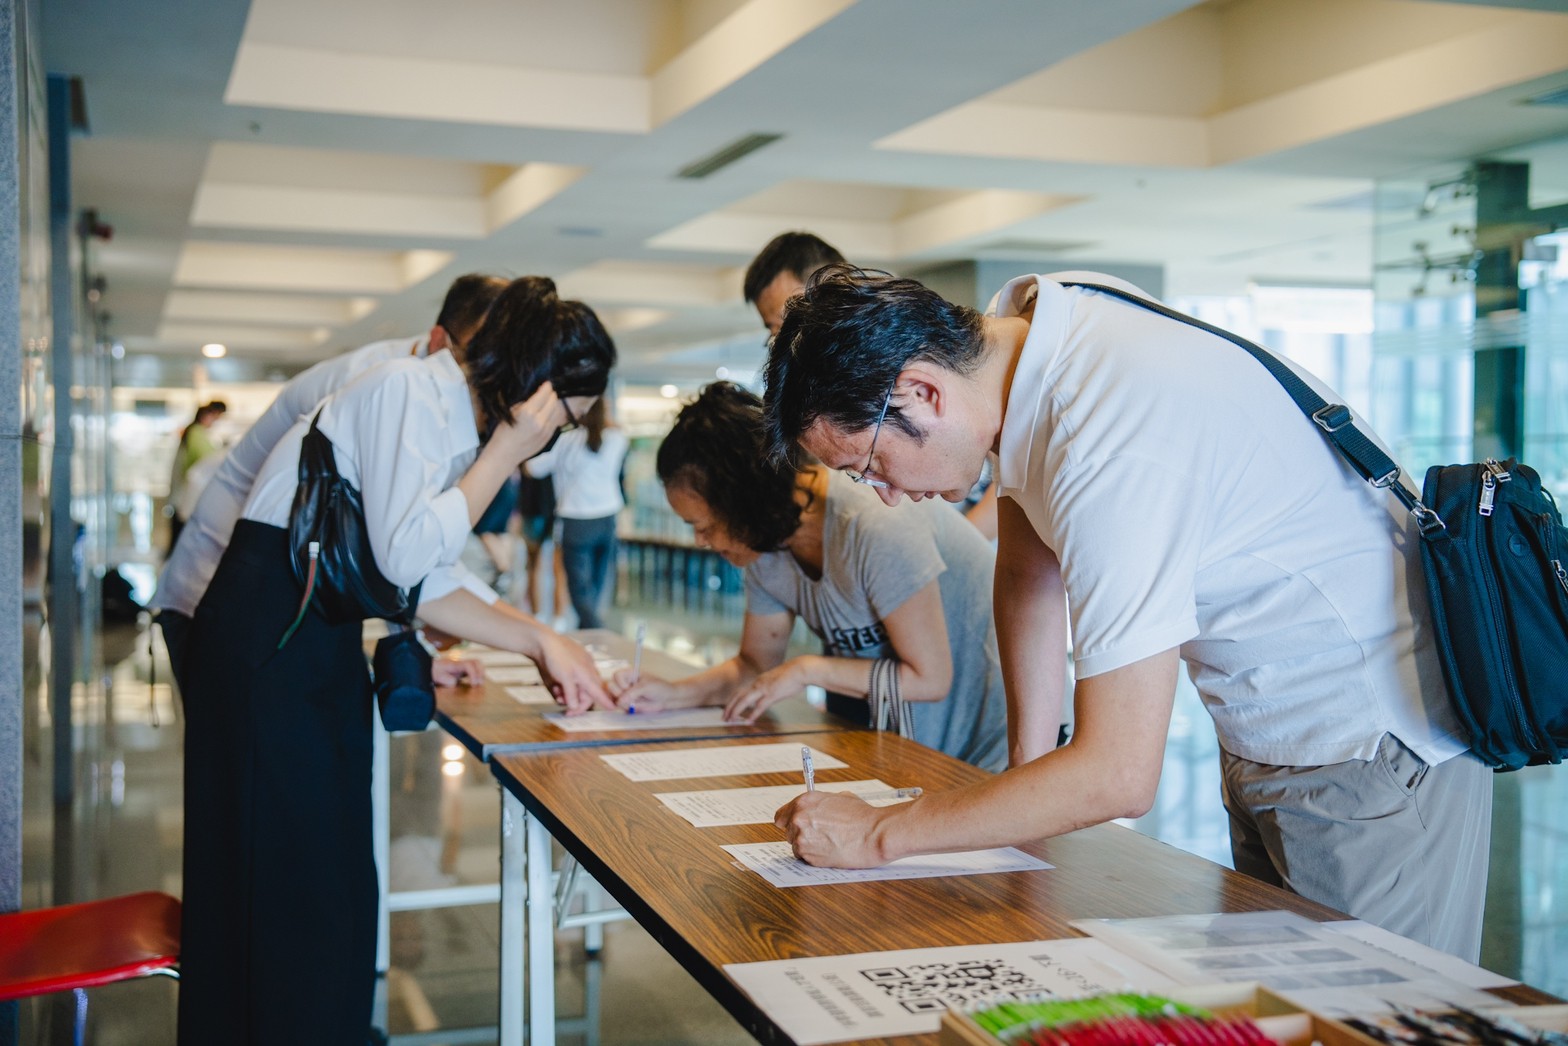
x: 642, y: 634
x: 807, y: 769
x: 890, y: 793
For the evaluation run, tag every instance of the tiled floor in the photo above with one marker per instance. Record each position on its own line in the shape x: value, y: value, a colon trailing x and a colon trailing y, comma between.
x: 123, y: 834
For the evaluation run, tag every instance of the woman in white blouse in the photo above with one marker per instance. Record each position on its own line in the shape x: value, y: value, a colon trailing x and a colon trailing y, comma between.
x: 280, y: 885
x: 586, y: 464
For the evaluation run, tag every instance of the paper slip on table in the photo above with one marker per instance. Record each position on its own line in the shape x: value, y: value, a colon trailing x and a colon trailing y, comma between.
x: 487, y: 720
x: 706, y: 911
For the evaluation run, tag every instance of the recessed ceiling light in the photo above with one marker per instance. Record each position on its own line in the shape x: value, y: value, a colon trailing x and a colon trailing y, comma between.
x: 214, y: 351
x: 669, y: 392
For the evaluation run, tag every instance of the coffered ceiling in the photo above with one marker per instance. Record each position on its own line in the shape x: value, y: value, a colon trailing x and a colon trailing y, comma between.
x: 295, y: 177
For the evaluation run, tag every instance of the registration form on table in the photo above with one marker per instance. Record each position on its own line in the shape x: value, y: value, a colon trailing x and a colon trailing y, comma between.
x: 677, y: 719
x: 719, y: 761
x: 531, y: 695
x: 777, y: 863
x: 725, y: 806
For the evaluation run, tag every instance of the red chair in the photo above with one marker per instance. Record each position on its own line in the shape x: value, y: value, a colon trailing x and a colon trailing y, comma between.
x: 78, y: 946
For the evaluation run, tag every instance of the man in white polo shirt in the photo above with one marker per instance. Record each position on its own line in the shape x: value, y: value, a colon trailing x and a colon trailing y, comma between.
x: 1164, y: 480
x: 190, y: 566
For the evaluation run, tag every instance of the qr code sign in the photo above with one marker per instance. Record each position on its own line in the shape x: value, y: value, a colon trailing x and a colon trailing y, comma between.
x: 934, y: 986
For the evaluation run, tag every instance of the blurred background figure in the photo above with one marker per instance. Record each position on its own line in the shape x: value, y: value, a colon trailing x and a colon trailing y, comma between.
x: 586, y: 463
x: 186, y: 479
x: 541, y: 551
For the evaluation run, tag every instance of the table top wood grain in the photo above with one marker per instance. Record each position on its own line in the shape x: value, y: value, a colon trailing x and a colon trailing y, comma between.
x: 487, y: 720
x: 706, y: 911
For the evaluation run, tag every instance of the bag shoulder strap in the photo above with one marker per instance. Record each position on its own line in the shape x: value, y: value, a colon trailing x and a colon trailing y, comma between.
x: 1334, y: 420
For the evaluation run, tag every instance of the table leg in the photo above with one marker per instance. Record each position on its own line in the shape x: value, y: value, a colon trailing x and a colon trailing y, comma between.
x: 513, y: 980
x: 541, y: 936
x: 381, y: 838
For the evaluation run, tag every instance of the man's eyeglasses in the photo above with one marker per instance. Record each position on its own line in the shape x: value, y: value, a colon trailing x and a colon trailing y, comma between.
x: 861, y: 476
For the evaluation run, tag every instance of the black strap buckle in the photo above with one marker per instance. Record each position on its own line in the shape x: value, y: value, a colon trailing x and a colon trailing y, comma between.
x: 1331, y: 417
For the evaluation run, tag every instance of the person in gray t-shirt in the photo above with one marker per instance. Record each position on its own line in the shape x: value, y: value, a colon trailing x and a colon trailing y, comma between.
x: 912, y: 583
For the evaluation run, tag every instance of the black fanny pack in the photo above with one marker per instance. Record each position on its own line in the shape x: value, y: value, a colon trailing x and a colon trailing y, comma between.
x: 1495, y: 556
x: 329, y: 549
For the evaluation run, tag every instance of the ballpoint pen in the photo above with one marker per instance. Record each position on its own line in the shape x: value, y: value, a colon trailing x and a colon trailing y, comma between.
x: 890, y: 793
x: 807, y: 769
x: 642, y: 634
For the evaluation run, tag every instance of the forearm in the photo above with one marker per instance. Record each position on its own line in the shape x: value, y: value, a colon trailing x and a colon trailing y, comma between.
x: 1060, y: 792
x: 1034, y: 670
x: 1030, y: 610
x: 851, y: 676
x: 713, y: 686
x: 484, y: 477
x: 465, y: 615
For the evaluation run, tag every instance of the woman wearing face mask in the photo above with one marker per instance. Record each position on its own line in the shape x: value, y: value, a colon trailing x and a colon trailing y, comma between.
x: 909, y: 585
x: 280, y: 887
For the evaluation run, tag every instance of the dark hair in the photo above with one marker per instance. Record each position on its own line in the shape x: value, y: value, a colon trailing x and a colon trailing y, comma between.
x: 531, y: 336
x: 467, y: 301
x: 799, y: 253
x: 715, y: 451
x: 843, y: 344
x: 594, y: 421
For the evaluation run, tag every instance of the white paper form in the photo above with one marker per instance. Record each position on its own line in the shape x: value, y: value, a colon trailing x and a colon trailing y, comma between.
x: 490, y: 656
x: 1440, y: 963
x: 726, y: 806
x: 777, y: 863
x: 1311, y: 964
x: 720, y: 761
x: 531, y: 695
x: 886, y: 994
x: 514, y: 675
x: 676, y: 719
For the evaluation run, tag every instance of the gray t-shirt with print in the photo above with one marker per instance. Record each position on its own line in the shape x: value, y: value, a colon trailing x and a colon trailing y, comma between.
x: 874, y: 559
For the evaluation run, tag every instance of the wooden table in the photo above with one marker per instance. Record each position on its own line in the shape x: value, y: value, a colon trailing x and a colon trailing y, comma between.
x: 686, y: 891
x: 488, y: 722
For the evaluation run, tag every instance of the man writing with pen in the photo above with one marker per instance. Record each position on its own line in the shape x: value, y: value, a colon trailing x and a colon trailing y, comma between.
x: 900, y: 598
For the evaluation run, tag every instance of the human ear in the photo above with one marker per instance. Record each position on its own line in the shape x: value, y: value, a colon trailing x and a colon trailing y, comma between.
x: 922, y: 390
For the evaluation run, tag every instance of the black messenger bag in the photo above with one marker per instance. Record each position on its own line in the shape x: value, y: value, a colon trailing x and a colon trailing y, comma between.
x: 1495, y: 555
x: 329, y: 549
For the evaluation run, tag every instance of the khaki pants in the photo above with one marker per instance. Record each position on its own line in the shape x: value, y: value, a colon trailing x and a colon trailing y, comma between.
x: 1391, y: 840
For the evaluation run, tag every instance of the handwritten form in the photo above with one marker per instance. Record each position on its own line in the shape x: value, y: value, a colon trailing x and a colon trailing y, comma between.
x: 725, y: 806
x: 777, y: 863
x: 724, y: 761
x: 677, y: 719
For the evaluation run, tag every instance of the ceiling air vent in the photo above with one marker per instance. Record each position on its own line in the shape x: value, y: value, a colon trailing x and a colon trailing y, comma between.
x: 721, y: 159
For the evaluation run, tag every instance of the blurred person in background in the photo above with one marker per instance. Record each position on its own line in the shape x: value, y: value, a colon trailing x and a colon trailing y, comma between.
x: 196, y: 445
x: 586, y: 465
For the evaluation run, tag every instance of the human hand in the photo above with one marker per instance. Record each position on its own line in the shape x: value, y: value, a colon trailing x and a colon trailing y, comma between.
x: 456, y: 671
x: 833, y: 829
x: 534, y: 423
x: 643, y: 692
x: 568, y: 670
x: 437, y: 638
x: 771, y: 686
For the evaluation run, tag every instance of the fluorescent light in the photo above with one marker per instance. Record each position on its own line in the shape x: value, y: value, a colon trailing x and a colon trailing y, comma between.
x: 214, y: 351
